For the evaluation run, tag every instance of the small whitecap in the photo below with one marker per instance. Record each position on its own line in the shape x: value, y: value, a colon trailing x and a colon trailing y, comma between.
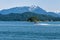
x: 41, y: 24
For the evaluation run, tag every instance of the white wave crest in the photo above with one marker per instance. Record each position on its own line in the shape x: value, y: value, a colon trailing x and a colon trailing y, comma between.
x: 42, y: 24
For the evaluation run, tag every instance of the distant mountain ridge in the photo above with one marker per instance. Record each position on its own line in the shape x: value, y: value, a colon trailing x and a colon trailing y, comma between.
x: 36, y: 9
x: 26, y: 15
x: 22, y: 10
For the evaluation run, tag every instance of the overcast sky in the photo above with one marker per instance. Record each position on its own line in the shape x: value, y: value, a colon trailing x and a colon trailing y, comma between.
x: 48, y: 5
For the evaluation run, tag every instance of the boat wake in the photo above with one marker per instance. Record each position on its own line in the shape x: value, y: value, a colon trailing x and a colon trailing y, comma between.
x: 42, y: 24
x: 45, y: 24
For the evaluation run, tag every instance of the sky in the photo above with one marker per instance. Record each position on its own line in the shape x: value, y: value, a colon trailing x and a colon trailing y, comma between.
x: 48, y: 5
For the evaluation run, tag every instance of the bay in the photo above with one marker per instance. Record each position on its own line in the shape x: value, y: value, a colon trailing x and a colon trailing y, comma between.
x: 18, y: 30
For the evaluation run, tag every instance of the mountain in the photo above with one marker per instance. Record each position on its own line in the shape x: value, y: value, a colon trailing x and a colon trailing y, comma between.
x: 53, y: 14
x: 26, y: 15
x: 23, y: 9
x: 15, y: 10
x: 35, y: 9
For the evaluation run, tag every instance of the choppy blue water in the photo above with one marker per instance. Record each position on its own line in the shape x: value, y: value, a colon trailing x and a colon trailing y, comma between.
x: 29, y: 30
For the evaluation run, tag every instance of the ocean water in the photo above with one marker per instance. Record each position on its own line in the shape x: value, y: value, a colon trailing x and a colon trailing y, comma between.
x: 15, y: 30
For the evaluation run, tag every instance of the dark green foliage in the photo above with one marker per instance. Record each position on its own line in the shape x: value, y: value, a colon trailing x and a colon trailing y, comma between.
x: 26, y: 16
x: 33, y: 19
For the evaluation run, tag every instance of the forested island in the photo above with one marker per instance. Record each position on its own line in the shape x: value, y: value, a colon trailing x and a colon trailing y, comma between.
x: 26, y: 16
